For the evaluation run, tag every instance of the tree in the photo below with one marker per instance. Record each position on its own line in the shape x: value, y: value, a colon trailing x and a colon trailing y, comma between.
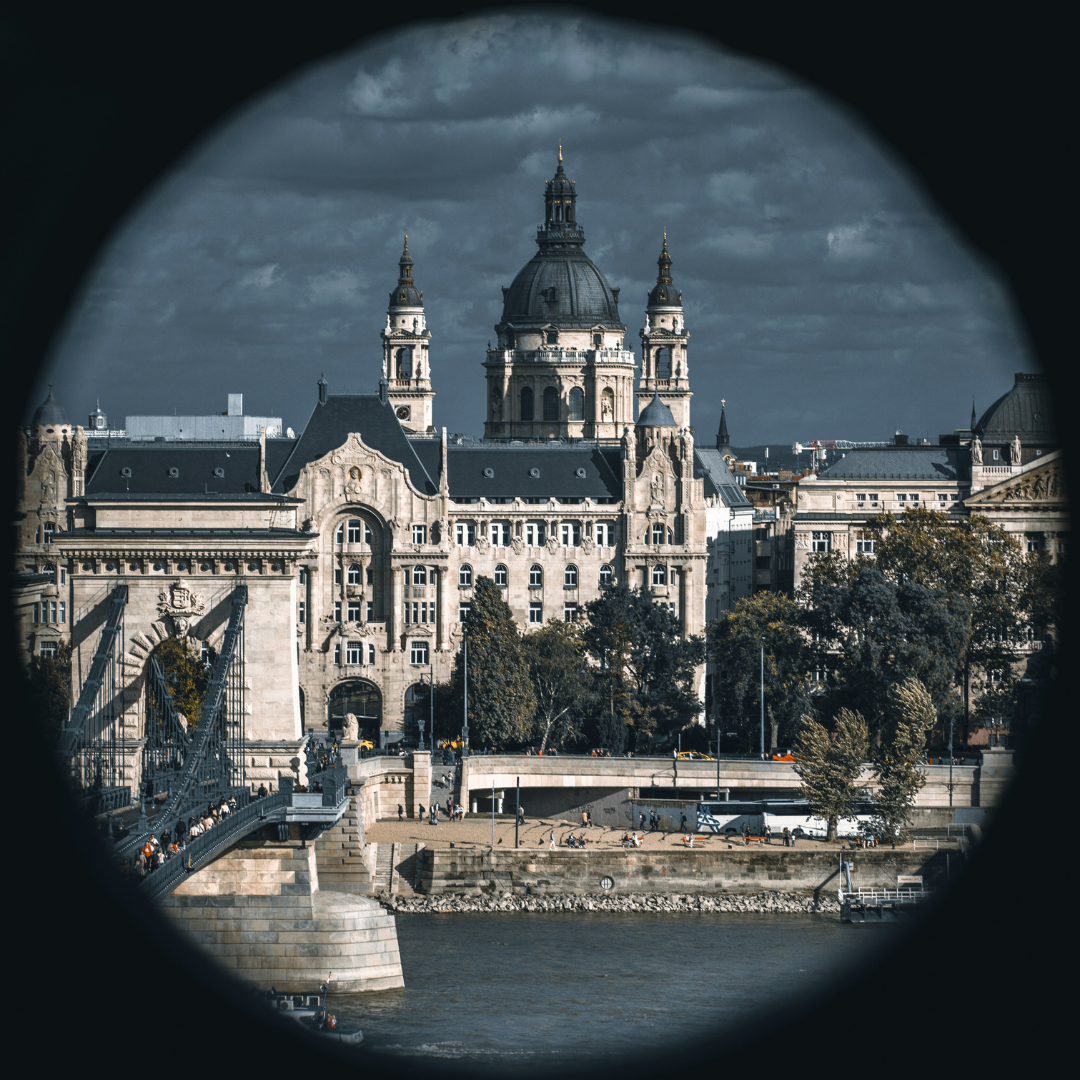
x: 828, y: 763
x: 735, y: 643
x: 562, y: 681
x: 49, y: 679
x: 646, y: 667
x: 910, y: 715
x: 186, y: 677
x: 873, y: 631
x: 501, y: 699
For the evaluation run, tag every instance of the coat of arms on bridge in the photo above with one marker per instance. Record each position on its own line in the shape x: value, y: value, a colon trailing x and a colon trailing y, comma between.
x: 181, y: 605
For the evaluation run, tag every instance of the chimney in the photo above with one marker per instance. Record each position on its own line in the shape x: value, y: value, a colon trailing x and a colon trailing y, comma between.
x: 236, y: 405
x: 384, y: 390
x: 322, y: 390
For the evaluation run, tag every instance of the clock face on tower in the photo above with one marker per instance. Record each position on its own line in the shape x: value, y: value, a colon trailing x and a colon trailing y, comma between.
x: 403, y: 412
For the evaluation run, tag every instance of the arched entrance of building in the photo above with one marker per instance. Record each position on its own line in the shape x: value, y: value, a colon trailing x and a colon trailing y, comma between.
x: 363, y: 700
x: 417, y: 712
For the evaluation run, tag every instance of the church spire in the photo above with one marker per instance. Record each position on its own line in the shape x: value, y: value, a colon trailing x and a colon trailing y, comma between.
x: 973, y: 420
x: 723, y: 441
x: 560, y: 228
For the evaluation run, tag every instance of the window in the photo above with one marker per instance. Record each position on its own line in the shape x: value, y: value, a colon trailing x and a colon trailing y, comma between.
x: 901, y: 497
x: 353, y: 650
x: 337, y: 575
x: 552, y: 337
x: 63, y: 575
x: 820, y: 542
x: 942, y: 497
x: 48, y: 650
x: 337, y: 654
x: 353, y: 575
x: 465, y: 534
x: 569, y: 612
x: 500, y: 534
x: 551, y: 403
x: 354, y: 611
x: 462, y: 611
x: 571, y: 533
x: 369, y: 575
x: 501, y: 576
x: 419, y: 534
x: 570, y: 577
x: 354, y: 531
x: 598, y: 340
x: 1034, y: 542
x: 658, y: 532
x: 995, y: 675
x: 953, y: 495
x: 418, y: 652
x: 526, y: 403
x: 763, y: 562
x: 860, y: 497
x: 301, y: 612
x: 536, y: 576
x: 536, y: 613
x: 659, y: 575
x: 419, y: 575
x: 606, y: 576
x: 368, y: 538
x: 535, y: 533
x: 371, y: 654
x: 914, y: 498
x: 575, y: 409
x: 864, y: 542
x: 605, y: 534
x: 371, y: 611
x: 464, y: 576
x: 301, y: 575
x: 48, y: 530
x: 337, y: 611
x: 995, y: 455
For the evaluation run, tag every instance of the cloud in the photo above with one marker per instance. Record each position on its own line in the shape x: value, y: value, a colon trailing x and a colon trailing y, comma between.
x: 851, y: 242
x: 263, y: 277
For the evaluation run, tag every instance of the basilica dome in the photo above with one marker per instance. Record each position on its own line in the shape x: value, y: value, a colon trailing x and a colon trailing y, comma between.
x: 560, y: 285
x: 1025, y: 411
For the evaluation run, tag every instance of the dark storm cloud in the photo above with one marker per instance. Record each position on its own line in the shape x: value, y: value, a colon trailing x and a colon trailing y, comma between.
x: 824, y: 297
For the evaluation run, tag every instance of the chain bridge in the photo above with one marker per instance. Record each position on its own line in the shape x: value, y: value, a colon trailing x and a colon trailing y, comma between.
x: 182, y: 769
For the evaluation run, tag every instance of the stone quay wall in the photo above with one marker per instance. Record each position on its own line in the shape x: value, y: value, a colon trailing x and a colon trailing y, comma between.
x: 259, y: 912
x: 728, y: 870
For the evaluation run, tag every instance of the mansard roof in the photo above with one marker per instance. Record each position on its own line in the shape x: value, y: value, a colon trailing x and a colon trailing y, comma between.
x: 710, y: 466
x: 330, y: 425
x: 148, y: 466
x: 937, y: 463
x: 564, y: 472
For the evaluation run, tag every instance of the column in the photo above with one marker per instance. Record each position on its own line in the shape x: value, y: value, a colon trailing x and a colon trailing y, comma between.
x: 444, y: 612
x: 309, y: 605
x: 397, y: 599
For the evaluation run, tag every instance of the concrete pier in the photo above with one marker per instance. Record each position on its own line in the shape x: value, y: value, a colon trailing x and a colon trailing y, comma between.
x: 259, y: 911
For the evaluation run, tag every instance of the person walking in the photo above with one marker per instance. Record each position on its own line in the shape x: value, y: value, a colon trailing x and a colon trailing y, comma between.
x: 768, y: 833
x: 552, y: 846
x: 588, y: 817
x: 521, y: 815
x: 641, y: 819
x: 400, y: 812
x: 787, y: 837
x: 420, y: 811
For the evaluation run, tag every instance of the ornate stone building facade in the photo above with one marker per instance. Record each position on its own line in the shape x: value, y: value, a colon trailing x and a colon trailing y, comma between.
x: 361, y: 540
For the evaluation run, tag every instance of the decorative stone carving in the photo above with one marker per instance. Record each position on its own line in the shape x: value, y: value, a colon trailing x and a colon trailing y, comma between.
x: 1014, y: 451
x: 182, y: 605
x: 482, y: 543
x: 351, y: 729
x: 552, y: 544
x: 518, y: 545
x: 976, y: 451
x: 586, y: 544
x: 1038, y: 488
x: 802, y: 540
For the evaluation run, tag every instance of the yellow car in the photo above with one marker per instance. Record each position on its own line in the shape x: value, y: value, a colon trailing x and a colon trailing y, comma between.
x: 694, y: 755
x: 366, y: 744
x: 452, y: 744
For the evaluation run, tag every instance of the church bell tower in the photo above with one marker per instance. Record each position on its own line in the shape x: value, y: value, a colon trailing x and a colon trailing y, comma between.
x: 664, y: 369
x: 406, y: 366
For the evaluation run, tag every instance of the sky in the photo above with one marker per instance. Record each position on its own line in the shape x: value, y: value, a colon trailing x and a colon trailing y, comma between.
x: 825, y: 296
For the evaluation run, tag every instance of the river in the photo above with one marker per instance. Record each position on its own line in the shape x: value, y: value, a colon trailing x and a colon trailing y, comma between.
x: 505, y: 992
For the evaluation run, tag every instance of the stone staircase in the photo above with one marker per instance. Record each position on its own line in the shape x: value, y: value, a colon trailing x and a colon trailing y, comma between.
x: 397, y: 868
x: 339, y: 853
x: 384, y: 867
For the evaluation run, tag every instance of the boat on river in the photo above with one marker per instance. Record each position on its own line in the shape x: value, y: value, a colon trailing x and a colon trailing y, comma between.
x: 310, y: 1011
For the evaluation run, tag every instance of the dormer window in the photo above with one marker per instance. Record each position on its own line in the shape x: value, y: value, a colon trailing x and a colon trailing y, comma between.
x: 552, y: 338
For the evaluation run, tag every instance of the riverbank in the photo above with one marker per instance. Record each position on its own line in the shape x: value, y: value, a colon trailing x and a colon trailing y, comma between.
x: 782, y: 903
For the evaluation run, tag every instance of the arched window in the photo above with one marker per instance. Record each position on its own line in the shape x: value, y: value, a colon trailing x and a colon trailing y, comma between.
x: 576, y: 404
x: 536, y: 576
x: 551, y: 403
x: 606, y: 576
x: 419, y: 575
x: 658, y: 532
x: 501, y: 576
x: 464, y: 576
x: 526, y: 403
x: 404, y: 363
x: 659, y: 575
x: 339, y: 534
x: 663, y: 363
x: 354, y: 575
x: 570, y: 577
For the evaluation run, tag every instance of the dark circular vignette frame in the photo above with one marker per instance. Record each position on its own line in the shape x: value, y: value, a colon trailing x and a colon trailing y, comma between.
x: 105, y: 102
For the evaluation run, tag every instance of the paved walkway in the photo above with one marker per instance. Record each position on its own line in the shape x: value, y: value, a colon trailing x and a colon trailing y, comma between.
x: 475, y: 832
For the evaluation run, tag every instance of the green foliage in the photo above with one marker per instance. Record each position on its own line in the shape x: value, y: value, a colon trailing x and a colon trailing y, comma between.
x: 49, y: 691
x: 562, y: 682
x: 828, y: 763
x: 646, y: 667
x: 735, y: 646
x: 501, y: 699
x: 910, y: 714
x: 186, y: 678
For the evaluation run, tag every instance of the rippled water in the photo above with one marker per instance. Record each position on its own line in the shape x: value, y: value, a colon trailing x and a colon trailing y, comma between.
x: 531, y: 989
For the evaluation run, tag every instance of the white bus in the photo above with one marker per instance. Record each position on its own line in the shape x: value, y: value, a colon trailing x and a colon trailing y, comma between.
x: 728, y: 818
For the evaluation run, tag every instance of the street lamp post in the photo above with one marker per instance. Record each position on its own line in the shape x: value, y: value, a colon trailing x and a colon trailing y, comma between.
x: 465, y: 726
x: 431, y: 706
x: 762, y: 697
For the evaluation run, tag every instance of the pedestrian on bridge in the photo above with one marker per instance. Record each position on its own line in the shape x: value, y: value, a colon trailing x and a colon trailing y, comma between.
x: 400, y: 812
x: 552, y: 846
